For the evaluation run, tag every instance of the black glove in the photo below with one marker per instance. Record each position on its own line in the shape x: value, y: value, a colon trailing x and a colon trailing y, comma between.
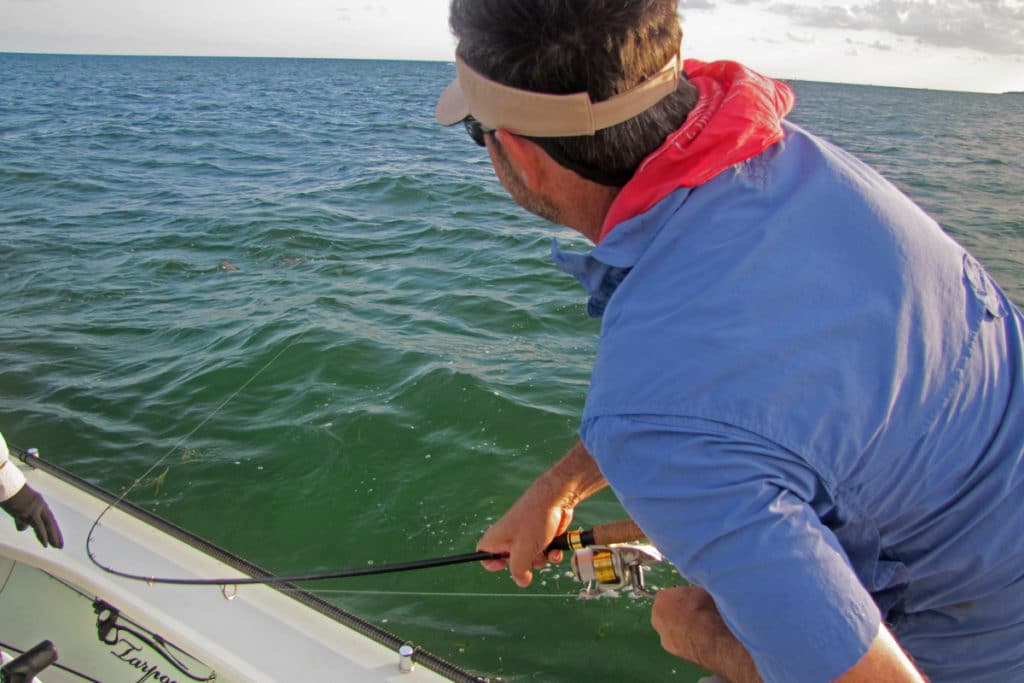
x: 28, y: 508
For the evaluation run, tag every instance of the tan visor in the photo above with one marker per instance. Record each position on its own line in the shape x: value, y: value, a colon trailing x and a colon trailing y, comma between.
x: 543, y: 115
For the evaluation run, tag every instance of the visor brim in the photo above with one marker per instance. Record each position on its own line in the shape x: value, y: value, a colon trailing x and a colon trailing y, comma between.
x: 536, y: 114
x: 452, y: 106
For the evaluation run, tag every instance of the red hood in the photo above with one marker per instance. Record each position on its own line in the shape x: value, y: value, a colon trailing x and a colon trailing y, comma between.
x: 738, y: 116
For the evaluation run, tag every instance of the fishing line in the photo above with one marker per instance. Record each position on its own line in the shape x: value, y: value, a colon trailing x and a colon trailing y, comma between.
x: 241, y: 581
x: 314, y: 576
x: 426, y: 594
x: 567, y: 541
x: 120, y: 499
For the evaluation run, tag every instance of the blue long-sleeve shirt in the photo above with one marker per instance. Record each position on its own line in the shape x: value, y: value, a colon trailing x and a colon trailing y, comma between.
x: 812, y: 400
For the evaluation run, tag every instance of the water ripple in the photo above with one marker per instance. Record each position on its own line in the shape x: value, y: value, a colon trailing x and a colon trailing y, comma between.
x: 404, y: 355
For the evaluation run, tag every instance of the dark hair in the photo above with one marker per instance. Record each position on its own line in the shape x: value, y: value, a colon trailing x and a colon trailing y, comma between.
x: 602, y: 47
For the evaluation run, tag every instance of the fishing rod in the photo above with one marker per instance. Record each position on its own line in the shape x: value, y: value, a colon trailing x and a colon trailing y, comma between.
x: 623, y: 531
x: 605, y: 558
x: 607, y: 534
x: 606, y: 566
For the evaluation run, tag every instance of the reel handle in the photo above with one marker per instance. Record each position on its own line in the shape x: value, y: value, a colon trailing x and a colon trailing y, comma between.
x: 623, y: 531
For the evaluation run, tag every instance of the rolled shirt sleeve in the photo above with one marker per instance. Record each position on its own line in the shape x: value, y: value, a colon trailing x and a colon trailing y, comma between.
x: 11, y: 478
x: 735, y: 514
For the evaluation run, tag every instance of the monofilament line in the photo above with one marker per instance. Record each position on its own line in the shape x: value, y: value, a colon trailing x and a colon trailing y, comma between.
x: 433, y: 594
x: 174, y: 449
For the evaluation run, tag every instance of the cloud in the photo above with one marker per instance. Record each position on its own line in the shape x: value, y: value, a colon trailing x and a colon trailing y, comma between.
x: 992, y: 26
x: 795, y: 37
x: 874, y: 45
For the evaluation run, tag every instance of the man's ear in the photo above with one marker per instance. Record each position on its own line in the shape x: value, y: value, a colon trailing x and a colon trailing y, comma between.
x: 525, y: 157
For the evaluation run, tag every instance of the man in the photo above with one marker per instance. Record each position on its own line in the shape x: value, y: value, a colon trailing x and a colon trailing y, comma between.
x: 24, y: 504
x: 807, y: 396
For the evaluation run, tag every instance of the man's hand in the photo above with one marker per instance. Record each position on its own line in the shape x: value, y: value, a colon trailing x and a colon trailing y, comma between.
x: 29, y: 509
x: 525, y: 531
x: 690, y: 627
x: 540, y: 514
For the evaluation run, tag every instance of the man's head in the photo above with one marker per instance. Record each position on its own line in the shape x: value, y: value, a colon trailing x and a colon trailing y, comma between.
x: 603, y: 48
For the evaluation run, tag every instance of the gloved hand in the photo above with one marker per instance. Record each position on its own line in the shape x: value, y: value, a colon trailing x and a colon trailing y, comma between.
x: 28, y: 508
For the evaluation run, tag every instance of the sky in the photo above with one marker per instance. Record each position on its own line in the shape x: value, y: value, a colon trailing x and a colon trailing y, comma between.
x: 972, y: 45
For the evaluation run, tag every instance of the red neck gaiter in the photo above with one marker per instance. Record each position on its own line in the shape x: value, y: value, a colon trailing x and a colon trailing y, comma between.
x: 738, y: 115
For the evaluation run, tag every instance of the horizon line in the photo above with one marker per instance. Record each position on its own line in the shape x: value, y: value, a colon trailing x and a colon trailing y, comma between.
x: 443, y: 61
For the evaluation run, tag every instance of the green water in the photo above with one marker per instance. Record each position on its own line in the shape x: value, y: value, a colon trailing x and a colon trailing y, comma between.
x: 311, y: 328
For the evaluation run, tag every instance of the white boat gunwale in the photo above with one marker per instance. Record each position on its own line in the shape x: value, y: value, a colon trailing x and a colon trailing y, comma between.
x: 291, y: 591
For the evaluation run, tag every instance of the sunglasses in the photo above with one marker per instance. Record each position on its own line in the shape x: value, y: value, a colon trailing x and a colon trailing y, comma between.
x: 476, y: 130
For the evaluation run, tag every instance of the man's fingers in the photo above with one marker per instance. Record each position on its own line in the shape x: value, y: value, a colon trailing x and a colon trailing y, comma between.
x: 544, y: 559
x: 494, y: 565
x: 524, y: 533
x: 519, y: 566
x: 522, y: 579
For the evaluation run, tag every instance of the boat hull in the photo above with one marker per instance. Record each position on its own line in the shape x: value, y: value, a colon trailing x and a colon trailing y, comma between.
x: 173, y: 633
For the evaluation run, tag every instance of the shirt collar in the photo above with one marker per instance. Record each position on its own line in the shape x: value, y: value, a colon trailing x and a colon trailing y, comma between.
x: 603, y: 269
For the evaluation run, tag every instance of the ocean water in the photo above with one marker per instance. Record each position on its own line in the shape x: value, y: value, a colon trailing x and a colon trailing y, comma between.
x: 308, y: 325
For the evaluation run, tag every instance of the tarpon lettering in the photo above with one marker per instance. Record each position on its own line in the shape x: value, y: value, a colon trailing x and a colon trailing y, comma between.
x: 150, y: 671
